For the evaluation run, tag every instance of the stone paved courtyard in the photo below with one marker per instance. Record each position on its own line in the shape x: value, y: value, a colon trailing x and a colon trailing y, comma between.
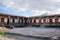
x: 34, y: 33
x: 37, y: 31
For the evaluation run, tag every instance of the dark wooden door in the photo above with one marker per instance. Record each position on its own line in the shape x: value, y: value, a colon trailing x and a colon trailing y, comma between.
x: 50, y: 21
x: 8, y: 21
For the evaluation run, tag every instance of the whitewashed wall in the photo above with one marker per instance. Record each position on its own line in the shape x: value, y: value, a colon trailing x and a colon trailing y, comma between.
x: 42, y: 21
x: 11, y: 20
x: 32, y: 20
x: 5, y: 20
x: 16, y: 20
x: 20, y: 20
x: 58, y: 19
x: 53, y: 20
x: 37, y: 20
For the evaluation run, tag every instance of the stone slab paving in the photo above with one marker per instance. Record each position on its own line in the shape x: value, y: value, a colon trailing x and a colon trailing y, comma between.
x: 5, y: 38
x: 37, y: 31
x: 19, y: 37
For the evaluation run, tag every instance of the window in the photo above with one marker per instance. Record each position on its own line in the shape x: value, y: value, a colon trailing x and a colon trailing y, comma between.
x: 23, y: 21
x: 2, y: 19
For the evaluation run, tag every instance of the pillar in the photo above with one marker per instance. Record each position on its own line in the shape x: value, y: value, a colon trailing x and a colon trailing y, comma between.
x: 18, y: 20
x: 8, y: 20
x: 40, y: 20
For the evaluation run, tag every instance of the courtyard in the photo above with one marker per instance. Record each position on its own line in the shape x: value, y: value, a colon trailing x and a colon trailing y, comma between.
x: 34, y: 33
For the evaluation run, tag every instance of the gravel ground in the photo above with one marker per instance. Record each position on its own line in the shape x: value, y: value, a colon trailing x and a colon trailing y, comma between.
x: 19, y: 37
x: 35, y: 31
x: 5, y: 38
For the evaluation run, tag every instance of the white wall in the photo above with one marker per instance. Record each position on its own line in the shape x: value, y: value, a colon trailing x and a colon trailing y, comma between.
x: 42, y: 21
x: 37, y: 20
x: 53, y: 20
x: 20, y: 20
x: 11, y: 20
x: 58, y: 19
x: 16, y: 20
x: 5, y: 19
x: 32, y: 20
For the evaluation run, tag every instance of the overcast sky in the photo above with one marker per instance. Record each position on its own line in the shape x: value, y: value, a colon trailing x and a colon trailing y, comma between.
x: 30, y: 7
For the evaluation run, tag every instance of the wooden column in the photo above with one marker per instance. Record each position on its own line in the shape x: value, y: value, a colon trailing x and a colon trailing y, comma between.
x: 30, y: 21
x: 56, y: 20
x: 39, y: 20
x: 8, y: 22
x: 18, y: 20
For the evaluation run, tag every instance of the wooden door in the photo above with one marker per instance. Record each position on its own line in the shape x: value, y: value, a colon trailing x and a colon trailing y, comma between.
x: 50, y: 21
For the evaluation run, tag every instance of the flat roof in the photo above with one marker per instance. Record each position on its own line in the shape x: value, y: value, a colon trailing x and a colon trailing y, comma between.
x: 29, y: 17
x: 10, y: 14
